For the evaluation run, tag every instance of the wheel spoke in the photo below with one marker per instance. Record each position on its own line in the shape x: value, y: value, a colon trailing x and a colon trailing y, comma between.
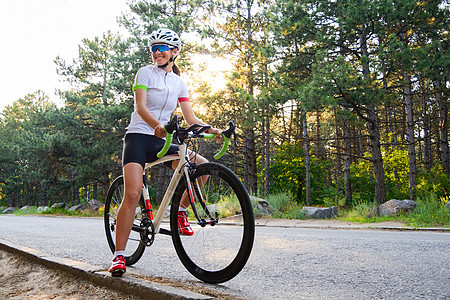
x: 216, y: 253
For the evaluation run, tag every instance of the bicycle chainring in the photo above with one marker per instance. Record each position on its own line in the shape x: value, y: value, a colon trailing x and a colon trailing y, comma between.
x: 148, y: 235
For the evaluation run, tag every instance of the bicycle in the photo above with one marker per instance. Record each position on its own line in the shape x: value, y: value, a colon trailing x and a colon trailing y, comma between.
x: 222, y: 214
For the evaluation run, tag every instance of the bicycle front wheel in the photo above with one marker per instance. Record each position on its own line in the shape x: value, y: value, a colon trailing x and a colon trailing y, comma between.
x: 135, y: 247
x: 223, y: 223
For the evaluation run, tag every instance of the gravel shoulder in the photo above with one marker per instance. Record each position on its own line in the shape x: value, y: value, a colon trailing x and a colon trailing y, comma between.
x: 23, y: 279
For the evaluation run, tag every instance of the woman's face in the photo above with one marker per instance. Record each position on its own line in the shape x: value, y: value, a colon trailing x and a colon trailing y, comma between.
x: 160, y: 57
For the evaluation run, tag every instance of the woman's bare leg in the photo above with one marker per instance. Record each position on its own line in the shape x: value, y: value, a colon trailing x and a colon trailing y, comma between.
x: 132, y: 176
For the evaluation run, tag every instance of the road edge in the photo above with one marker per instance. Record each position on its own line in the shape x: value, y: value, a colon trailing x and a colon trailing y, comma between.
x: 100, y: 277
x: 337, y: 224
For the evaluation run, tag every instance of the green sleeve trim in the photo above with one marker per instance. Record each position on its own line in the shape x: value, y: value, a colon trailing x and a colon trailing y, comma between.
x: 140, y: 87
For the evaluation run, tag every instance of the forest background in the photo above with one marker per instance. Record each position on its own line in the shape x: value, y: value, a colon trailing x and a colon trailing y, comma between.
x: 336, y: 102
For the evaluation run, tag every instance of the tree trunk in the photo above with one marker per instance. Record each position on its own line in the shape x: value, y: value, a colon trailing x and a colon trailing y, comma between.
x: 267, y: 165
x: 291, y: 134
x: 95, y: 191
x: 346, y: 148
x: 285, y: 136
x: 374, y: 130
x: 426, y: 128
x: 250, y: 167
x: 410, y: 134
x: 250, y: 161
x: 377, y: 159
x: 104, y: 185
x: 319, y: 149
x: 263, y: 153
x: 338, y: 157
x: 12, y: 200
x: 443, y: 127
x: 362, y: 142
x: 307, y: 159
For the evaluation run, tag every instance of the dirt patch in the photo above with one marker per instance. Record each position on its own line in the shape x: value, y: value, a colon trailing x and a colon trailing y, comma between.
x: 23, y: 279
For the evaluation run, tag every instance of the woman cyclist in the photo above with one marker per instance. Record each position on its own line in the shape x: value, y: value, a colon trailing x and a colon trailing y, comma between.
x: 157, y: 91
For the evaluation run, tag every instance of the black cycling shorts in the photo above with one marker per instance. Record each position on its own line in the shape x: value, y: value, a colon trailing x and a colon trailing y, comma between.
x: 142, y: 148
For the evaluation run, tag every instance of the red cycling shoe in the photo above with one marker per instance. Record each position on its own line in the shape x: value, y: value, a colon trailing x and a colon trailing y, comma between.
x: 183, y: 225
x: 118, y: 266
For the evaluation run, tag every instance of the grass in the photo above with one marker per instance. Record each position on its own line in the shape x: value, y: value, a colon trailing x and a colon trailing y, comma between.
x: 284, y: 207
x: 33, y: 210
x: 430, y: 211
x: 30, y: 210
x: 363, y: 213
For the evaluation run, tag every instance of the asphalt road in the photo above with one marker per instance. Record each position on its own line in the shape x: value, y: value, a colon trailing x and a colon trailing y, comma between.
x: 286, y: 263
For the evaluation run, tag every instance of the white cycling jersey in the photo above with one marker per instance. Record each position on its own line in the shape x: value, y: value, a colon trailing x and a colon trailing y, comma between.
x: 164, y: 91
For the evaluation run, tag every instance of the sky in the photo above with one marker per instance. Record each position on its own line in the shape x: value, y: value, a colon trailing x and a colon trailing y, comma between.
x: 34, y: 32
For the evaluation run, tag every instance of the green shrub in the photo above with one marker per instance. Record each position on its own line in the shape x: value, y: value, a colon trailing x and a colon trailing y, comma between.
x: 56, y: 211
x: 430, y: 211
x: 331, y: 197
x: 433, y: 182
x: 295, y: 212
x: 285, y: 206
x: 362, y: 212
x: 280, y: 201
x: 29, y: 211
x: 228, y: 206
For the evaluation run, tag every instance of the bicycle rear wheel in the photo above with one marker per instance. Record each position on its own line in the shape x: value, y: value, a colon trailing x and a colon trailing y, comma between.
x: 135, y: 247
x: 223, y: 234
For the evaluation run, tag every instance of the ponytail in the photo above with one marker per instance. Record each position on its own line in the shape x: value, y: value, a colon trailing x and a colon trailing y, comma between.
x: 176, y: 70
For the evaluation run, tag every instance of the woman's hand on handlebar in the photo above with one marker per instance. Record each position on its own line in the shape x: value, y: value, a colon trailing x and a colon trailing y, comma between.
x: 217, y: 132
x: 160, y: 131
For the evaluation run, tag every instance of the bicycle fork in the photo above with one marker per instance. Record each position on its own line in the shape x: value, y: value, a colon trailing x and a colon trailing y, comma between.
x: 193, y: 188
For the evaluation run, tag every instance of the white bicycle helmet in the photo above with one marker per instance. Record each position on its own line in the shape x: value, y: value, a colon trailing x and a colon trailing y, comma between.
x: 165, y: 36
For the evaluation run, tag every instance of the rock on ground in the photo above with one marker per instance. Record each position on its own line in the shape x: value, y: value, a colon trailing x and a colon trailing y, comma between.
x: 320, y: 212
x: 394, y: 207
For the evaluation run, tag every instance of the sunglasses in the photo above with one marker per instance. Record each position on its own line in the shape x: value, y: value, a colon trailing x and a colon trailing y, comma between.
x: 161, y: 48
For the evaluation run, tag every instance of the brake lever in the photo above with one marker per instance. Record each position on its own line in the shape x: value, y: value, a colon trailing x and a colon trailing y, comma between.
x: 230, y: 131
x: 202, y: 129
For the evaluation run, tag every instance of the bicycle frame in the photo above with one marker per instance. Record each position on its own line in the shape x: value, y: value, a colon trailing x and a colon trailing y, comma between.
x: 181, y: 168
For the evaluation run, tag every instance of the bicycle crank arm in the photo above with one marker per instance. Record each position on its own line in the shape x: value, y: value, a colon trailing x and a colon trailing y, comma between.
x: 165, y: 231
x: 138, y: 228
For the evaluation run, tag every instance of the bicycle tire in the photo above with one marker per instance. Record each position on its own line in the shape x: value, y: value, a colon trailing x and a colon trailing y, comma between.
x: 135, y: 247
x: 215, y: 254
